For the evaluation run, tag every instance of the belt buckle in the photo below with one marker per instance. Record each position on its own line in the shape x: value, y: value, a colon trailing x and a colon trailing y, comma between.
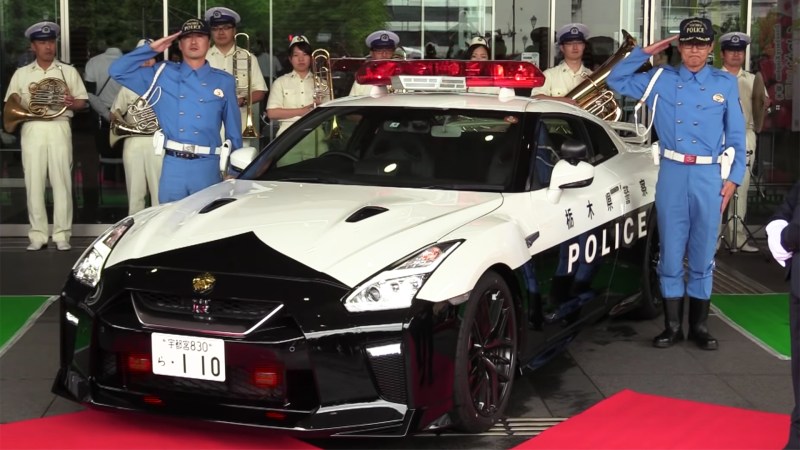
x: 690, y: 159
x: 189, y: 148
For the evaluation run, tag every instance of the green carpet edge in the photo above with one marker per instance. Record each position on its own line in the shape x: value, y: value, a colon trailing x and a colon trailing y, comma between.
x: 28, y: 324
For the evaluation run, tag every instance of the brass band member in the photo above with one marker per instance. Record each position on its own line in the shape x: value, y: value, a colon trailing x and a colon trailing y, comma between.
x: 142, y: 164
x: 382, y: 44
x: 223, y: 22
x: 47, y: 144
x: 561, y: 79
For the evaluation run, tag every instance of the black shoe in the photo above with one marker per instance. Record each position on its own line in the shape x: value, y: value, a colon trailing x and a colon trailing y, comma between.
x: 698, y: 324
x: 673, y: 321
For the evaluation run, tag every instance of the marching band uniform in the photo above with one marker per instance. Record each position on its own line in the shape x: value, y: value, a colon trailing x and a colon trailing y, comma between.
x: 47, y: 144
x: 559, y: 80
x: 697, y: 115
x: 142, y: 164
x: 380, y: 43
x: 221, y: 59
x: 737, y: 41
x: 292, y: 91
x: 478, y: 43
x: 194, y: 103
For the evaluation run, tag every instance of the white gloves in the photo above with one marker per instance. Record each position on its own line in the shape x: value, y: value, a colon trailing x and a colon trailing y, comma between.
x: 774, y: 230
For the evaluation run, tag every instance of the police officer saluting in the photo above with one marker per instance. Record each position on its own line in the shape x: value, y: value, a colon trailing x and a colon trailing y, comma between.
x: 561, y: 79
x: 697, y: 115
x: 196, y: 100
x: 47, y: 144
x: 382, y: 45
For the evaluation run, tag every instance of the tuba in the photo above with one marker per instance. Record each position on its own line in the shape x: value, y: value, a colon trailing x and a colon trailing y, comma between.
x: 323, y: 82
x: 242, y: 71
x: 593, y: 94
x: 46, y: 94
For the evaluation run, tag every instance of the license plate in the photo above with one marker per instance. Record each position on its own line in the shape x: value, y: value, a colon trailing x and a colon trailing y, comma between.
x: 188, y: 356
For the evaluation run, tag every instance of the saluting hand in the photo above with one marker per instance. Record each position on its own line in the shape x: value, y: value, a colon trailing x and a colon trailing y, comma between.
x: 660, y: 46
x: 163, y: 44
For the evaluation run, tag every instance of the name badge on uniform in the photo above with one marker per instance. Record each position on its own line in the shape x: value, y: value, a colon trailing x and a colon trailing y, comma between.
x: 719, y: 98
x: 218, y: 92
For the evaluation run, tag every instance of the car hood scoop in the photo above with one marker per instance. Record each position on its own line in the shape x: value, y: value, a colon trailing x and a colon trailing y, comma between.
x: 322, y: 226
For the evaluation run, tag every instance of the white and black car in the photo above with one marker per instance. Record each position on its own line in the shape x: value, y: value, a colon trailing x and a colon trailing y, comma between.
x: 387, y: 265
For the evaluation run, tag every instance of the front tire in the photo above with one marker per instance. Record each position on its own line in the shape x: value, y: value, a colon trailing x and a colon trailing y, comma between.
x: 486, y: 357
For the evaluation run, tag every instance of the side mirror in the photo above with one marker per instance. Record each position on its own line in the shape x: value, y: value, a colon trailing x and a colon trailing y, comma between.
x: 573, y: 151
x: 567, y: 175
x: 242, y: 157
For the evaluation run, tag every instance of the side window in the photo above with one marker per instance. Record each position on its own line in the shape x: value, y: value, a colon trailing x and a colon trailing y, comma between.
x: 551, y: 132
x: 602, y: 145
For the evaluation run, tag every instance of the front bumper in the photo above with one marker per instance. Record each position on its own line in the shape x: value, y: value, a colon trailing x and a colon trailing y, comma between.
x: 375, y: 377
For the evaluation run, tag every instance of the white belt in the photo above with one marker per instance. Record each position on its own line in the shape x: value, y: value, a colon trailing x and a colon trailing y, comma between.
x: 190, y: 148
x: 690, y: 159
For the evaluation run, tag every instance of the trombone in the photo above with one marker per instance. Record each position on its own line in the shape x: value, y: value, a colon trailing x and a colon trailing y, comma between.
x: 242, y: 71
x: 323, y: 83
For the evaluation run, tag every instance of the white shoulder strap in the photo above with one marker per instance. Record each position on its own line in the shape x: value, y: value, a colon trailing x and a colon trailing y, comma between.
x: 642, y: 102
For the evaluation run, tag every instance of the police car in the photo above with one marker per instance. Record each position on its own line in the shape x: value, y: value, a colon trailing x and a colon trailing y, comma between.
x: 387, y: 265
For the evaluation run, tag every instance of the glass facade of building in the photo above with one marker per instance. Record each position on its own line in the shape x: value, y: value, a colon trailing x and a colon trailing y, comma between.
x: 427, y: 28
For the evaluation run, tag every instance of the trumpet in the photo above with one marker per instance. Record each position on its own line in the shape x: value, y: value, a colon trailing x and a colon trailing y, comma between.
x: 242, y: 71
x: 323, y: 83
x: 46, y: 94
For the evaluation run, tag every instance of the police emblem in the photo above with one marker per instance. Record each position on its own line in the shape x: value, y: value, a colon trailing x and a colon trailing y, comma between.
x: 217, y: 14
x: 735, y: 39
x: 45, y: 29
x: 218, y: 92
x: 573, y: 30
x: 719, y: 98
x: 203, y: 283
x: 384, y: 37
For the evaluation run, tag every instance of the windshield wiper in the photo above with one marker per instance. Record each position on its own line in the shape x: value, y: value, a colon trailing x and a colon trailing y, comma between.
x: 467, y: 187
x: 309, y: 180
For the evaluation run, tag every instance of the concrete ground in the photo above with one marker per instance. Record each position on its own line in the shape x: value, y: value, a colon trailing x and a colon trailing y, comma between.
x: 612, y: 355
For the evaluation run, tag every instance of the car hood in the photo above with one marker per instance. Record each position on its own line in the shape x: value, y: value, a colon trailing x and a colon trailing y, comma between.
x: 347, y: 232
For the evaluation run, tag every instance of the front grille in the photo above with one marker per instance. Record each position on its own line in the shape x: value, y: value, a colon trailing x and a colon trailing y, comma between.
x: 237, y: 384
x: 389, y: 371
x: 246, y: 310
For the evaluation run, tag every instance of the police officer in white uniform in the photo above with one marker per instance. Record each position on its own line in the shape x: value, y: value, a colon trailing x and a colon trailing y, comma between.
x: 382, y: 44
x: 561, y: 79
x: 142, y: 164
x: 47, y: 144
x: 734, y: 46
x: 223, y: 22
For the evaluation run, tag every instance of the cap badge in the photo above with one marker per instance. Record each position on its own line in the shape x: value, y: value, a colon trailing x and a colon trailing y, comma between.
x: 218, y: 92
x: 573, y: 30
x: 217, y: 14
x: 45, y: 29
x: 384, y: 37
x: 719, y: 98
x: 203, y: 283
x: 735, y: 39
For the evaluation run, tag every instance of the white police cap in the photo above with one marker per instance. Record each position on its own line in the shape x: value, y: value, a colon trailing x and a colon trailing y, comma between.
x: 299, y: 39
x: 143, y: 42
x: 43, y: 31
x: 734, y: 40
x: 219, y: 15
x: 382, y: 39
x: 572, y: 32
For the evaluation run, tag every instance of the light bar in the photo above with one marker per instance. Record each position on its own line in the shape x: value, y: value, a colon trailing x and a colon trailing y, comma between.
x: 507, y: 74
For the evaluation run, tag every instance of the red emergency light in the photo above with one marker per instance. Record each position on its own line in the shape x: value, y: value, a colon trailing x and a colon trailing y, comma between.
x: 139, y: 363
x: 507, y: 74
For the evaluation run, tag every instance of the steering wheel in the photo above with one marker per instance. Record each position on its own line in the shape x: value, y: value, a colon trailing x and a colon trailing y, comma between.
x: 349, y: 156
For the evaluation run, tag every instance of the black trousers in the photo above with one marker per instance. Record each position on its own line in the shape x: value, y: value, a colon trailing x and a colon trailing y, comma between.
x: 794, y: 335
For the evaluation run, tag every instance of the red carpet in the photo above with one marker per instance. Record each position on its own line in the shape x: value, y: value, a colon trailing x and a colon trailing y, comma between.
x: 93, y: 429
x: 629, y: 420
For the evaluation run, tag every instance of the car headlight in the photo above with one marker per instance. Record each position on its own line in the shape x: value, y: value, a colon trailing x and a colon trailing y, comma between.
x: 396, y: 287
x: 89, y: 266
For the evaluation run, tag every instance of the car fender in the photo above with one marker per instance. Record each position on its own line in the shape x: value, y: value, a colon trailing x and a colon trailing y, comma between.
x: 488, y: 241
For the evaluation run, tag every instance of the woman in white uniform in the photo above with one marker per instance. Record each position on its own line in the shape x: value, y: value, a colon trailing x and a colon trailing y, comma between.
x: 478, y: 50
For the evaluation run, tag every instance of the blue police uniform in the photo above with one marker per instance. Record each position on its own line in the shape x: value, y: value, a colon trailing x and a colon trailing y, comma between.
x: 697, y: 115
x: 192, y: 106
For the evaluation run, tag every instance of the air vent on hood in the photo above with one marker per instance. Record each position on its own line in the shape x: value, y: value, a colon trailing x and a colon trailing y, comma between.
x: 216, y: 204
x: 365, y: 213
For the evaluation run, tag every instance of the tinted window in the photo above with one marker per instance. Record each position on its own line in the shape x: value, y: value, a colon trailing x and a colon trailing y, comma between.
x: 402, y: 147
x: 551, y: 132
x: 602, y: 145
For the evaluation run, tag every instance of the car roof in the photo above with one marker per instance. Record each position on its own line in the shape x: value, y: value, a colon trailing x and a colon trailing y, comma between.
x: 460, y: 100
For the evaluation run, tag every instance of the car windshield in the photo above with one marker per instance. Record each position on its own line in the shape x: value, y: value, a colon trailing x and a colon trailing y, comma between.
x: 398, y: 147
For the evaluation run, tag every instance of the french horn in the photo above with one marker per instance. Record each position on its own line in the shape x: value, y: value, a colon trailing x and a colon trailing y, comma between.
x: 46, y: 95
x: 144, y: 122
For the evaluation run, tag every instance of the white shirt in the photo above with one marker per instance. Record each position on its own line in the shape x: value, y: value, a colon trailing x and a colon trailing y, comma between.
x: 559, y: 80
x: 224, y: 61
x: 32, y: 73
x: 291, y: 91
x: 745, y: 80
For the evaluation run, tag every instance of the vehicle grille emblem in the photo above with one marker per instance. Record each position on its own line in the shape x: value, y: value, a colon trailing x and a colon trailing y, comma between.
x: 203, y: 283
